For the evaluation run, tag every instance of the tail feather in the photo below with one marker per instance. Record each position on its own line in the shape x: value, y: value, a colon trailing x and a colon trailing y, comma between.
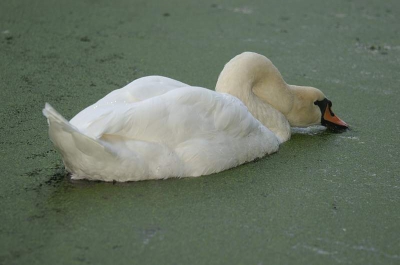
x: 97, y: 159
x: 52, y: 115
x: 74, y: 146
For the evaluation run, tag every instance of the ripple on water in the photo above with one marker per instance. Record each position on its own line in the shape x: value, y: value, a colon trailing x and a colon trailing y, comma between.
x: 312, y: 130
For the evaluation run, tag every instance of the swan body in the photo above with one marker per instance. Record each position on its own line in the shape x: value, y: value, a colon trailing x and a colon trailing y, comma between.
x: 157, y: 127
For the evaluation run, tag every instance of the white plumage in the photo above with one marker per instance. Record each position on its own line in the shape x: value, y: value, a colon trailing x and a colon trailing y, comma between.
x: 156, y: 127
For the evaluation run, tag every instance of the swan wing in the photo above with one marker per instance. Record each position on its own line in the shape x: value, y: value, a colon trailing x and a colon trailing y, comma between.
x: 207, y: 131
x: 136, y: 91
x: 173, y: 117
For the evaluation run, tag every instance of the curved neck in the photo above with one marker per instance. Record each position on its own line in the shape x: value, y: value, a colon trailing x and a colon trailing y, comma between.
x: 258, y: 84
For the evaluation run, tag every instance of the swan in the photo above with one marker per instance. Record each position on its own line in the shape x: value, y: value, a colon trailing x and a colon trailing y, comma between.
x: 157, y: 128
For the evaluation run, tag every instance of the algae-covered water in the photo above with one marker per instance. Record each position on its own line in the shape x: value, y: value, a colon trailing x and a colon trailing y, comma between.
x: 322, y: 199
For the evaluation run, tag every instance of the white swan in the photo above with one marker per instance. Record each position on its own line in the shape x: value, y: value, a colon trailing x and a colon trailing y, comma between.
x: 156, y: 127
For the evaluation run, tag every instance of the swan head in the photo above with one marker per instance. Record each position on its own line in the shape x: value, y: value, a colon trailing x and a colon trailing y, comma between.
x: 328, y: 118
x: 311, y: 107
x: 254, y: 79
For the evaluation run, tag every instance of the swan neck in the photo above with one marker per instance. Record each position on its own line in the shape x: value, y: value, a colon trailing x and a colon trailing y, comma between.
x: 250, y: 74
x: 254, y: 80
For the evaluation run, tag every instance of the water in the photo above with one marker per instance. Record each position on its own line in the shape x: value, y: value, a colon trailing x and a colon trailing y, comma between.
x: 324, y: 198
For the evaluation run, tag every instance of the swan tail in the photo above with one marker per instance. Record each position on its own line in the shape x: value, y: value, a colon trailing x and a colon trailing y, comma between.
x: 80, y: 152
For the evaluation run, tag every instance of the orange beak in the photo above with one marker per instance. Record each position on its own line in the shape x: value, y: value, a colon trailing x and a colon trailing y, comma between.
x: 333, y: 121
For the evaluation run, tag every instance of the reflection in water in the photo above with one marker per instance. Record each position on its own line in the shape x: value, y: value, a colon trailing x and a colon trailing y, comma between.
x: 312, y: 130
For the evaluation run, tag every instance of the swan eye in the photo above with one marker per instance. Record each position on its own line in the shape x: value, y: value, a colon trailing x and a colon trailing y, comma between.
x: 323, y: 104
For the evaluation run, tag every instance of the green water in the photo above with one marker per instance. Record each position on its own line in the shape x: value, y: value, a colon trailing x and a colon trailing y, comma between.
x: 323, y: 199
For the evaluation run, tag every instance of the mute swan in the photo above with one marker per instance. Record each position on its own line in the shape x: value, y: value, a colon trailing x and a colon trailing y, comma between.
x: 157, y: 128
